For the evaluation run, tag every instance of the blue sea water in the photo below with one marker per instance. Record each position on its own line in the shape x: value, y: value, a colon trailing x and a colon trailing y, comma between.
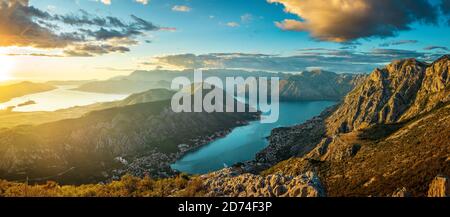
x: 244, y: 142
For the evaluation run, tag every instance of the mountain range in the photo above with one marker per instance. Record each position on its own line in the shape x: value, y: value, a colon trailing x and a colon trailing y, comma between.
x: 307, y: 85
x: 388, y: 136
x: 318, y: 85
x: 138, y: 134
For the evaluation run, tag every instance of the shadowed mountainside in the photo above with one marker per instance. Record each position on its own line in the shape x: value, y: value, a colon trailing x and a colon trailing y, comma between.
x: 129, y: 136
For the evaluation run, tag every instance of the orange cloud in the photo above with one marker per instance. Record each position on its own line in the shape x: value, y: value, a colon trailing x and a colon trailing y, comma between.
x: 346, y: 20
x: 17, y: 28
x: 23, y: 25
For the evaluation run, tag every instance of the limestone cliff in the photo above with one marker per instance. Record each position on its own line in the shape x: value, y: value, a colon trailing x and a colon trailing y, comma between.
x: 401, y: 90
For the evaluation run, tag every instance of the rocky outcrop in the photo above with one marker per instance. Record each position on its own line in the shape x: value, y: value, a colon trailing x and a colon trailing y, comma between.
x: 402, y: 90
x: 231, y: 183
x: 401, y: 192
x: 439, y: 187
x: 435, y: 88
x: 340, y: 150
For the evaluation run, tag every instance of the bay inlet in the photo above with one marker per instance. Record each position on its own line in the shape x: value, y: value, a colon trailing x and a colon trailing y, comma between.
x: 244, y: 142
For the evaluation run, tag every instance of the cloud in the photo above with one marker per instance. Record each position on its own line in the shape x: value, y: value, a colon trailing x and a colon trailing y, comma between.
x: 88, y: 50
x: 23, y: 25
x: 396, y: 53
x: 342, y: 61
x: 445, y: 9
x: 233, y: 24
x: 400, y: 42
x: 106, y: 2
x: 18, y: 27
x: 116, y: 69
x: 181, y: 8
x: 84, y: 18
x: 347, y: 20
x: 127, y: 31
x: 436, y: 48
x: 247, y: 18
x: 35, y: 54
x: 350, y: 45
x: 144, y: 2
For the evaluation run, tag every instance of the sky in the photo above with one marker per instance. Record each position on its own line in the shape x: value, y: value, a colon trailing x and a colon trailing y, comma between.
x: 98, y: 39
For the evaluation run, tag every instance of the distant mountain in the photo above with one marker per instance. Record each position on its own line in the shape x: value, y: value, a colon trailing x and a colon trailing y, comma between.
x: 11, y: 91
x: 318, y: 85
x: 139, y: 81
x: 68, y: 82
x: 309, y: 85
x: 152, y: 95
x: 123, y: 86
x: 388, y: 137
x: 157, y: 75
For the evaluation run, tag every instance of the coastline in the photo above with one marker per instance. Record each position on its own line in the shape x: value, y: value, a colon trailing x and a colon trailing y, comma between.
x: 158, y: 165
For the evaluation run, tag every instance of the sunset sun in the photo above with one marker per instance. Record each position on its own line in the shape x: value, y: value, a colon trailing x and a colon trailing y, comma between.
x: 6, y: 66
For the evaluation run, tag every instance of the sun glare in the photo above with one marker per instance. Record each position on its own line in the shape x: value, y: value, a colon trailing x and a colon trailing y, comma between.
x: 6, y: 66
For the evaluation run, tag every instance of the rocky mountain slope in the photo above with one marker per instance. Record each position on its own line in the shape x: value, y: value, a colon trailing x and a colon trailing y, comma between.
x: 390, y: 133
x: 400, y: 91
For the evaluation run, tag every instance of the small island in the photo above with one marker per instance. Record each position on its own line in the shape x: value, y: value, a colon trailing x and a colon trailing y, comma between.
x: 29, y: 102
